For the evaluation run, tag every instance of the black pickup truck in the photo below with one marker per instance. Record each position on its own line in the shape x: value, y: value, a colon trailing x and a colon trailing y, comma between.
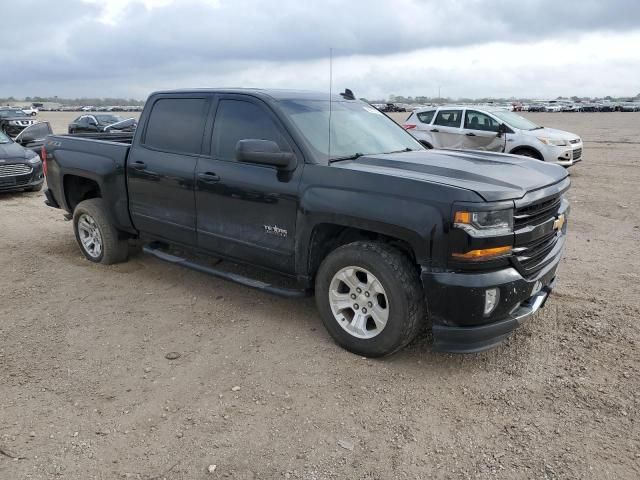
x: 332, y: 194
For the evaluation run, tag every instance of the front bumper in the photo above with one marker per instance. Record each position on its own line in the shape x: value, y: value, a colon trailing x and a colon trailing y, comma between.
x: 564, y: 156
x: 9, y: 183
x: 456, y: 305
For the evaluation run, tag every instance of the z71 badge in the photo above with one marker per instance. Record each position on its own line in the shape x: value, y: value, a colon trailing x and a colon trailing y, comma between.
x: 275, y: 230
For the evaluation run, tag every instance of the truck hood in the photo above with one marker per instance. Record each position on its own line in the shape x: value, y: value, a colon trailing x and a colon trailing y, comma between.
x: 493, y: 176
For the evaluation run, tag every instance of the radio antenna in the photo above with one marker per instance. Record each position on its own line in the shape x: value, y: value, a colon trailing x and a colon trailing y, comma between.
x: 330, y: 94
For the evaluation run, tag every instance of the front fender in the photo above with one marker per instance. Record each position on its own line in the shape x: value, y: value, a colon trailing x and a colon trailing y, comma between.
x: 412, y: 221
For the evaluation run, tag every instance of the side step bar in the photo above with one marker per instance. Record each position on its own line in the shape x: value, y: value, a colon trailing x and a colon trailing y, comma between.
x: 155, y: 249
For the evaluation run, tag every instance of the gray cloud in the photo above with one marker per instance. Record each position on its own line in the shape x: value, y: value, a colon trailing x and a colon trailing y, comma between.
x: 66, y: 48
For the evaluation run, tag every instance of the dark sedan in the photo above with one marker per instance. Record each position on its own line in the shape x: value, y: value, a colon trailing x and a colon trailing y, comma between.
x: 14, y: 120
x: 20, y: 167
x: 101, y: 123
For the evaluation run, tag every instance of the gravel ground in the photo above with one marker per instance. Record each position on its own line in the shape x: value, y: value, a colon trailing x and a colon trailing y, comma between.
x: 261, y: 391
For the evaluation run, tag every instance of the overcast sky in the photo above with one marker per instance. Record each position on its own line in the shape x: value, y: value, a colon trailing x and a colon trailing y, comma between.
x: 473, y: 48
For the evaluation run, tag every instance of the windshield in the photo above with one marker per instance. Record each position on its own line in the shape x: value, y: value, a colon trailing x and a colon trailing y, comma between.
x: 516, y: 121
x: 108, y: 119
x: 12, y: 113
x: 356, y: 128
x: 4, y: 138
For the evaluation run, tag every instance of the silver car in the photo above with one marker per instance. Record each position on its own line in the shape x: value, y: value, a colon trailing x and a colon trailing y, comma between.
x: 492, y: 129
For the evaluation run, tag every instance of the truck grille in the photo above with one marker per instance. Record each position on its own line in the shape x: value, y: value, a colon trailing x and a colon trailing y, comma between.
x: 532, y: 254
x: 14, y: 169
x: 536, y: 213
x: 577, y: 153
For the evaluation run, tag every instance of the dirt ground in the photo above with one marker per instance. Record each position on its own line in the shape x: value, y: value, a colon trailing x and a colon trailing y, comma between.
x: 261, y: 391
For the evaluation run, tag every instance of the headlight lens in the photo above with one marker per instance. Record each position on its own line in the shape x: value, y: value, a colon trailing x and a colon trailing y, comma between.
x: 35, y: 160
x: 553, y: 141
x: 485, y: 224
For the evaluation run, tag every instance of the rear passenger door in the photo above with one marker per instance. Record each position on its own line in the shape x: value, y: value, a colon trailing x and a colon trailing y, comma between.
x: 481, y: 132
x: 247, y: 211
x: 161, y: 168
x: 446, y: 130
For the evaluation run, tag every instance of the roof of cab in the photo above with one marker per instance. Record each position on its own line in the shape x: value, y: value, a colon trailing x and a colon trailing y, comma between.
x: 271, y: 93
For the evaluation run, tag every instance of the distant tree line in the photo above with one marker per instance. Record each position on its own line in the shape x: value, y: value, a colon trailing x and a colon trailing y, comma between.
x: 422, y: 99
x: 97, y: 102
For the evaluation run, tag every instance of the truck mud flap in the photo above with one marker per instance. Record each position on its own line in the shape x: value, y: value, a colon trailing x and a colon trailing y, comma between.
x: 155, y: 249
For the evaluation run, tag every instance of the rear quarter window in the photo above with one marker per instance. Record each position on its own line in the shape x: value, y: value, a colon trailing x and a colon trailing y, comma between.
x: 426, y: 117
x: 176, y: 125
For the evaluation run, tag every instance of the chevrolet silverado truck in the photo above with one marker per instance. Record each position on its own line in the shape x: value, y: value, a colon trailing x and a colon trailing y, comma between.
x: 335, y: 197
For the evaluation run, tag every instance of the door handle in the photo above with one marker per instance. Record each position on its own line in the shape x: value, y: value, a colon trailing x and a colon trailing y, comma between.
x: 470, y: 134
x: 138, y: 165
x: 208, y: 177
x: 434, y: 130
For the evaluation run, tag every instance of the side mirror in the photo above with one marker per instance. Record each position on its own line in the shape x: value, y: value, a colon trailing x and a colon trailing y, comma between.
x: 24, y: 139
x: 264, y: 152
x: 502, y: 129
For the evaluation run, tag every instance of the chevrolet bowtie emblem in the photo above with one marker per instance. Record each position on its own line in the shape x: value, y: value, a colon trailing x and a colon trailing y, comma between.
x: 559, y: 222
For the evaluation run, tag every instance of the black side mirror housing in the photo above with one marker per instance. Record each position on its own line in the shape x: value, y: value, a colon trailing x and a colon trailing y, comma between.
x: 502, y: 129
x: 264, y: 152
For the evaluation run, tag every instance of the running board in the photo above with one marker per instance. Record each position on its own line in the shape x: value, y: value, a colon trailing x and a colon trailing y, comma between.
x: 155, y: 249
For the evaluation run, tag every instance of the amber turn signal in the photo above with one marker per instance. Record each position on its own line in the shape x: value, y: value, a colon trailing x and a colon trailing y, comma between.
x: 483, y: 253
x: 462, y: 217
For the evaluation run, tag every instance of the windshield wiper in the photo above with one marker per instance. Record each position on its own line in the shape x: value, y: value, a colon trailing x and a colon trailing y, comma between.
x: 399, y: 151
x: 535, y: 128
x: 347, y: 157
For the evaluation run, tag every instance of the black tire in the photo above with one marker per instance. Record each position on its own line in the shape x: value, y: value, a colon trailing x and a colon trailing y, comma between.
x: 114, y: 248
x: 35, y: 188
x: 401, y: 282
x: 426, y: 145
x: 527, y: 152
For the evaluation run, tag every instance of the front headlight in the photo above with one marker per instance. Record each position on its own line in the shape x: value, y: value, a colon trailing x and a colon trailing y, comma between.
x: 35, y: 160
x: 553, y: 141
x: 485, y: 224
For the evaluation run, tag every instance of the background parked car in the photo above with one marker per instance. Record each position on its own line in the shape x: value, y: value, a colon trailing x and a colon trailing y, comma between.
x: 14, y: 120
x: 492, y: 129
x: 20, y: 168
x: 31, y: 111
x: 99, y: 123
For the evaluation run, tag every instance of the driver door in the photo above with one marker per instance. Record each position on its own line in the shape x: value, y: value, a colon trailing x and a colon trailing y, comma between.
x: 481, y: 132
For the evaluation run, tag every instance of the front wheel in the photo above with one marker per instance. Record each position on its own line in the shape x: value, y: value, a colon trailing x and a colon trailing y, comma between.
x: 99, y: 240
x: 370, y: 298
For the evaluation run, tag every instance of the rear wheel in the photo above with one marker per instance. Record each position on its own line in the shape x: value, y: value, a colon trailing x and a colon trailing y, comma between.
x: 370, y: 298
x: 98, y: 238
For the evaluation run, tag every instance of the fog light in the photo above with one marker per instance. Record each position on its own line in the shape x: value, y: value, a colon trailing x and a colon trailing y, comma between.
x: 491, y: 297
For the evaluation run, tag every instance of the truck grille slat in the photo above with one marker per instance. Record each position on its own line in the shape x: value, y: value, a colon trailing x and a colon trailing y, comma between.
x: 14, y: 169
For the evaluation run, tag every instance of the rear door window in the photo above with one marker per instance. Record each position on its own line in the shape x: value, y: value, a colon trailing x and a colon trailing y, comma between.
x: 176, y: 125
x: 239, y: 120
x: 448, y: 118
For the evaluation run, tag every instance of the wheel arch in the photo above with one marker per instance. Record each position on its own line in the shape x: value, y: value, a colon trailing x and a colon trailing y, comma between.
x: 326, y: 237
x: 78, y: 189
x: 522, y: 148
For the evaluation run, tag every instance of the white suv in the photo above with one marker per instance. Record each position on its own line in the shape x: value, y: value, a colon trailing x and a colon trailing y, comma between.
x: 493, y: 129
